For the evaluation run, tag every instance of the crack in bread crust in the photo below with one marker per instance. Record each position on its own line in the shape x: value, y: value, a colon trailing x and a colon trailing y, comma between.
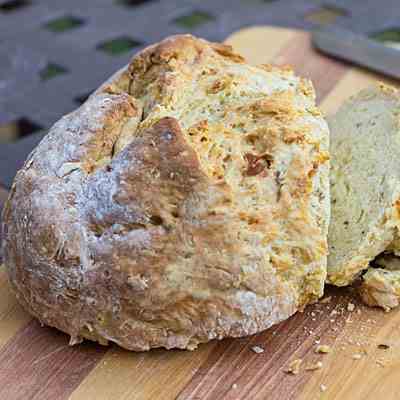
x: 186, y: 200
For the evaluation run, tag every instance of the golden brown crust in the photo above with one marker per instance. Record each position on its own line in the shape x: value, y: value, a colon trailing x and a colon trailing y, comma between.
x: 172, y: 207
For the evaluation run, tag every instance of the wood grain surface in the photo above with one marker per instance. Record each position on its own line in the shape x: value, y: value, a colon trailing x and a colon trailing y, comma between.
x: 364, y: 362
x: 3, y: 198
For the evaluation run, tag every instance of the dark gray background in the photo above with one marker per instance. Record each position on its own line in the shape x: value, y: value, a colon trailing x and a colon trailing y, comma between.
x: 28, y: 46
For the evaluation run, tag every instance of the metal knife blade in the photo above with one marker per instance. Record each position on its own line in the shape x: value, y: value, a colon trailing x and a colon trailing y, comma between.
x: 358, y: 49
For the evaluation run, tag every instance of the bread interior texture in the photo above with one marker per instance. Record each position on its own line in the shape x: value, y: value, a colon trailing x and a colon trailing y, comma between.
x: 255, y: 131
x: 365, y: 171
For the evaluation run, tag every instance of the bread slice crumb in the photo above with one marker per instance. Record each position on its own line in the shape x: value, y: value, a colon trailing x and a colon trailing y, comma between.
x: 383, y: 346
x: 323, y: 349
x: 257, y: 349
x: 381, y: 287
x: 313, y: 367
x: 350, y: 307
x: 294, y: 366
x: 380, y: 362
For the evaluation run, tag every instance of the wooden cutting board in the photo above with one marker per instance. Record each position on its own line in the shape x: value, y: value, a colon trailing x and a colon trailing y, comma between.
x: 37, y: 363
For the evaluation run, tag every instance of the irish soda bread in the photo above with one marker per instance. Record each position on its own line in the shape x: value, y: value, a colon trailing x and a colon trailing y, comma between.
x: 186, y: 200
x: 365, y: 182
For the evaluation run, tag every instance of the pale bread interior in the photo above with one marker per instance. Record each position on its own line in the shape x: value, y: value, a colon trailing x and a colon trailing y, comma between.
x: 381, y: 286
x: 365, y: 181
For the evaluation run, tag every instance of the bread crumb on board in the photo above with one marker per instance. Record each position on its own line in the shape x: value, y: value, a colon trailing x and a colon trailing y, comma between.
x: 323, y: 349
x: 354, y: 346
x: 313, y: 367
x: 257, y: 349
x: 381, y: 362
x: 294, y: 366
x: 350, y: 307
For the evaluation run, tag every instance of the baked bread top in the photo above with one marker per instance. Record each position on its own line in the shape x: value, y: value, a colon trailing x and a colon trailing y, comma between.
x: 186, y: 200
x: 365, y: 181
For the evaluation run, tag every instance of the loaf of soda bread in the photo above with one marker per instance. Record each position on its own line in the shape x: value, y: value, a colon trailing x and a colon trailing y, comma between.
x: 186, y: 200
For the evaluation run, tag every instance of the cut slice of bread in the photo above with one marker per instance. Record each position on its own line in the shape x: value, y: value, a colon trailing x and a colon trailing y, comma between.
x: 365, y: 182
